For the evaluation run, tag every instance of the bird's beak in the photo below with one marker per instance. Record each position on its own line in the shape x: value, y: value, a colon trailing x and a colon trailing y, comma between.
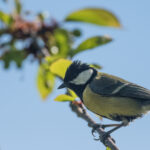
x: 62, y: 86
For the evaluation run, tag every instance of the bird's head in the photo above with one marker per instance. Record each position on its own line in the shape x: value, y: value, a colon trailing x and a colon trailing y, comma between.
x: 77, y: 76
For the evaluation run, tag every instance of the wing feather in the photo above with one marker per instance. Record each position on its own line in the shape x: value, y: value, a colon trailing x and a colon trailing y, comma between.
x: 108, y: 85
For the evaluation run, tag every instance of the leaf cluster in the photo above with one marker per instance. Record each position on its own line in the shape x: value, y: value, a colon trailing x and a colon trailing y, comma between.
x: 46, y: 41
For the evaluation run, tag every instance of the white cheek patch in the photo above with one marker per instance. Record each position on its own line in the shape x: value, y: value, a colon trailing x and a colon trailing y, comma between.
x: 83, y: 77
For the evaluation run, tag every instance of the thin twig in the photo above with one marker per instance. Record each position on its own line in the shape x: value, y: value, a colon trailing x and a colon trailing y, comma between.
x: 82, y: 113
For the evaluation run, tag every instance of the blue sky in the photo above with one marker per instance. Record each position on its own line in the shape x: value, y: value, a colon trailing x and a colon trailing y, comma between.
x: 28, y: 123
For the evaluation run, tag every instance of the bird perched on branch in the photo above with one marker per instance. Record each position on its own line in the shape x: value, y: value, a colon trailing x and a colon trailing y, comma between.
x: 106, y: 95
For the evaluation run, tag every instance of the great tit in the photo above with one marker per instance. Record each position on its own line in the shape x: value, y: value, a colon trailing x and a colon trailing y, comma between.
x: 107, y: 95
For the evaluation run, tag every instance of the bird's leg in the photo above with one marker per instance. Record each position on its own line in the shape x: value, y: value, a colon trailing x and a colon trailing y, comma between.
x: 105, y: 135
x: 95, y: 126
x: 109, y: 125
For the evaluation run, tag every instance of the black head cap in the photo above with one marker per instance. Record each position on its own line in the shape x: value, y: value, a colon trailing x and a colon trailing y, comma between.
x: 74, y: 69
x: 72, y: 72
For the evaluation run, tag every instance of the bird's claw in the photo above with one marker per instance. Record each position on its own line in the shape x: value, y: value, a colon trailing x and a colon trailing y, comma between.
x: 95, y: 127
x: 104, y: 137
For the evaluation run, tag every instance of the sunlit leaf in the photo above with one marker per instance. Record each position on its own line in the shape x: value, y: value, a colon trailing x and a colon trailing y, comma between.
x: 72, y: 93
x: 5, y: 18
x: 59, y: 67
x: 18, y: 6
x: 96, y: 16
x: 107, y: 148
x: 64, y: 97
x: 91, y: 43
x: 45, y: 81
x: 51, y: 59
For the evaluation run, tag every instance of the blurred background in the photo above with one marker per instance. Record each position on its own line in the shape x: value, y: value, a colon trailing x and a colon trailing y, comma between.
x: 27, y: 122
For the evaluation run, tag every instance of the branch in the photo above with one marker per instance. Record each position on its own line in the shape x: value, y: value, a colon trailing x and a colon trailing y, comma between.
x: 81, y: 112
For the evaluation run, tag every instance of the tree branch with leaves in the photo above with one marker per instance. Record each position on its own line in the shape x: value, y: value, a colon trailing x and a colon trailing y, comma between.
x: 45, y: 41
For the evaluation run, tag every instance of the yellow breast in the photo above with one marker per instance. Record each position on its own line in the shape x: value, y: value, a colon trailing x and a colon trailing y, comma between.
x: 108, y: 106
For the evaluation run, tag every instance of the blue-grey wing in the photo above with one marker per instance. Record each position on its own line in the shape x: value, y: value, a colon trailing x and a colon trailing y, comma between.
x: 108, y: 85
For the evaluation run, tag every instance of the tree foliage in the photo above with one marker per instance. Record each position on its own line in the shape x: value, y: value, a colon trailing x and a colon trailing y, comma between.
x: 46, y: 41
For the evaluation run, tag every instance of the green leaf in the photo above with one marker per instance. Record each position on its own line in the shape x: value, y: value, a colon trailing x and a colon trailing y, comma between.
x: 15, y: 55
x: 62, y: 41
x: 91, y: 43
x: 96, y: 16
x: 51, y: 59
x: 76, y: 33
x: 107, y: 148
x: 64, y: 97
x: 59, y: 67
x: 18, y: 6
x: 45, y: 81
x: 72, y: 93
x: 5, y: 18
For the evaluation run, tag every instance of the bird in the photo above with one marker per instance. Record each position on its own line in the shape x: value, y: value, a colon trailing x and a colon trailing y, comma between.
x: 107, y: 95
